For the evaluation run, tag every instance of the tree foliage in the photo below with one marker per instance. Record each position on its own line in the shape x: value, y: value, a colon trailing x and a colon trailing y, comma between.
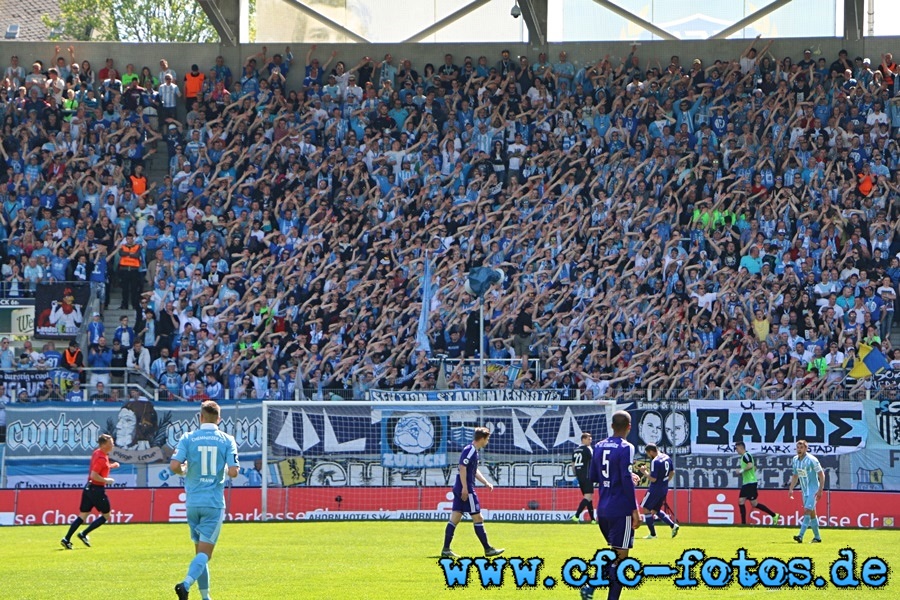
x: 133, y: 21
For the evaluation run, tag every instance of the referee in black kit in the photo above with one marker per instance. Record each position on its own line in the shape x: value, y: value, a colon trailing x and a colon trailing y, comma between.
x: 94, y: 493
x: 581, y: 464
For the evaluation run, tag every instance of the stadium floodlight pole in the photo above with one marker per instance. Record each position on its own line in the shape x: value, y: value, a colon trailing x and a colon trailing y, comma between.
x: 481, y: 343
x: 264, y: 504
x: 479, y: 281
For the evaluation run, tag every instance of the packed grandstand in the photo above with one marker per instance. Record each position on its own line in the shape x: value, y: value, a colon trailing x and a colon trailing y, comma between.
x: 720, y: 227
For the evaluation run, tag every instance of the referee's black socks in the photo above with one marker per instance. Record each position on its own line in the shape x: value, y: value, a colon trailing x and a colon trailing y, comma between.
x: 78, y: 522
x: 97, y: 523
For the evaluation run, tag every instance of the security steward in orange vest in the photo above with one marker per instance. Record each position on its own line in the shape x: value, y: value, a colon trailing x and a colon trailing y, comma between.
x: 130, y: 272
x: 73, y: 360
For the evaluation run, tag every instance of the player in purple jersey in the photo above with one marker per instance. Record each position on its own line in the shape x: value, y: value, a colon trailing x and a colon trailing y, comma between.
x: 660, y: 474
x: 465, y: 500
x: 617, y: 512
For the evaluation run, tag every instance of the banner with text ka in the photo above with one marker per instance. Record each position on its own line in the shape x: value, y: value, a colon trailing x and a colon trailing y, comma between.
x: 773, y: 427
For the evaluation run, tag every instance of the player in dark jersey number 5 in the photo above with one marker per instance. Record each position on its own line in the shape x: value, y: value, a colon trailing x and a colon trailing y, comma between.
x: 94, y: 493
x: 465, y: 500
x: 617, y: 511
x: 581, y: 465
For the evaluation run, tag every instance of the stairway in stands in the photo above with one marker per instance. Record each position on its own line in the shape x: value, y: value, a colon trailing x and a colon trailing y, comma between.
x: 156, y: 167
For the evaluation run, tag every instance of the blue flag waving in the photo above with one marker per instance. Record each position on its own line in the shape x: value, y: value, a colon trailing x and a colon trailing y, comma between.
x: 482, y: 278
x: 422, y: 341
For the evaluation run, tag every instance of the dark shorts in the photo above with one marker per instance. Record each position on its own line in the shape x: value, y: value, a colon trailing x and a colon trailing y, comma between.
x: 654, y: 499
x: 586, y: 485
x: 470, y: 506
x: 94, y: 496
x: 749, y: 491
x: 617, y: 531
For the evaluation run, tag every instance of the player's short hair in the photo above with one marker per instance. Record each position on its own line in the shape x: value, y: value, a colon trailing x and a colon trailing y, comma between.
x: 585, y: 435
x: 481, y: 433
x: 621, y: 421
x: 741, y: 444
x: 104, y: 439
x: 804, y: 442
x: 651, y: 447
x: 210, y: 410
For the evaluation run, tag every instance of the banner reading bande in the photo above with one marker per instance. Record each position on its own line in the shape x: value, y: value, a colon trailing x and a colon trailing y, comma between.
x: 773, y: 427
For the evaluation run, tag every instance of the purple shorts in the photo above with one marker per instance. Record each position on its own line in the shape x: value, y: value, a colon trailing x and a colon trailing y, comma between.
x: 617, y: 531
x: 470, y: 506
x: 653, y: 500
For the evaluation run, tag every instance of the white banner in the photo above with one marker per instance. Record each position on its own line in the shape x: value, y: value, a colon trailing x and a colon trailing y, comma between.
x: 498, y: 396
x: 22, y: 322
x: 556, y: 516
x: 773, y: 427
x: 64, y: 481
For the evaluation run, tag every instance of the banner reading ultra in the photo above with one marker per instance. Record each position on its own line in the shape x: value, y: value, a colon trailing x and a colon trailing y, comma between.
x: 773, y: 427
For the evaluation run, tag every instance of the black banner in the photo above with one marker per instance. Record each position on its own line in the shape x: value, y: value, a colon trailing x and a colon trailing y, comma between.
x: 29, y: 381
x: 720, y: 471
x: 666, y: 424
x: 59, y: 309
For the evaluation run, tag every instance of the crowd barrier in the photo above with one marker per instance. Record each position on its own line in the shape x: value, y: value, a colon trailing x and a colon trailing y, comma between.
x: 867, y: 510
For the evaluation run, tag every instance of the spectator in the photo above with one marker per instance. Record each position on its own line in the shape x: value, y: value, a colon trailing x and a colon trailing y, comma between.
x: 138, y: 357
x: 124, y: 334
x: 73, y: 360
x: 100, y: 358
x: 100, y: 394
x: 652, y: 201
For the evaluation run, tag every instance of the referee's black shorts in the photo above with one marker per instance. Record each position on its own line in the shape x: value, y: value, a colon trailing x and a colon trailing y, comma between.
x: 749, y: 491
x: 94, y: 496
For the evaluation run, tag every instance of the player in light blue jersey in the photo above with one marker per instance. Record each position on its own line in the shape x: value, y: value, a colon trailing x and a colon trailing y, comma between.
x: 809, y: 474
x: 204, y: 456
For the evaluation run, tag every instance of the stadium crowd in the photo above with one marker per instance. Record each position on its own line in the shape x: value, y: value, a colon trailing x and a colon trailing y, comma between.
x: 723, y: 227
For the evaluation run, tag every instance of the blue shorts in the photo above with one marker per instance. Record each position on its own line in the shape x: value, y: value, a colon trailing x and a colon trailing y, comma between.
x: 809, y: 501
x: 617, y: 531
x: 205, y: 523
x: 470, y: 506
x: 654, y: 499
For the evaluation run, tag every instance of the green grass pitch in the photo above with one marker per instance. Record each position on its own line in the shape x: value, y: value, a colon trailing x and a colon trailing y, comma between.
x: 374, y: 560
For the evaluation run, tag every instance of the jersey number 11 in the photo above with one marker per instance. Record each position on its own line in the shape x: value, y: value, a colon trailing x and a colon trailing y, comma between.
x: 208, y: 459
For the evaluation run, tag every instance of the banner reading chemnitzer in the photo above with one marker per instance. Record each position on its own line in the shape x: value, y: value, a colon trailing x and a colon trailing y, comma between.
x: 773, y: 427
